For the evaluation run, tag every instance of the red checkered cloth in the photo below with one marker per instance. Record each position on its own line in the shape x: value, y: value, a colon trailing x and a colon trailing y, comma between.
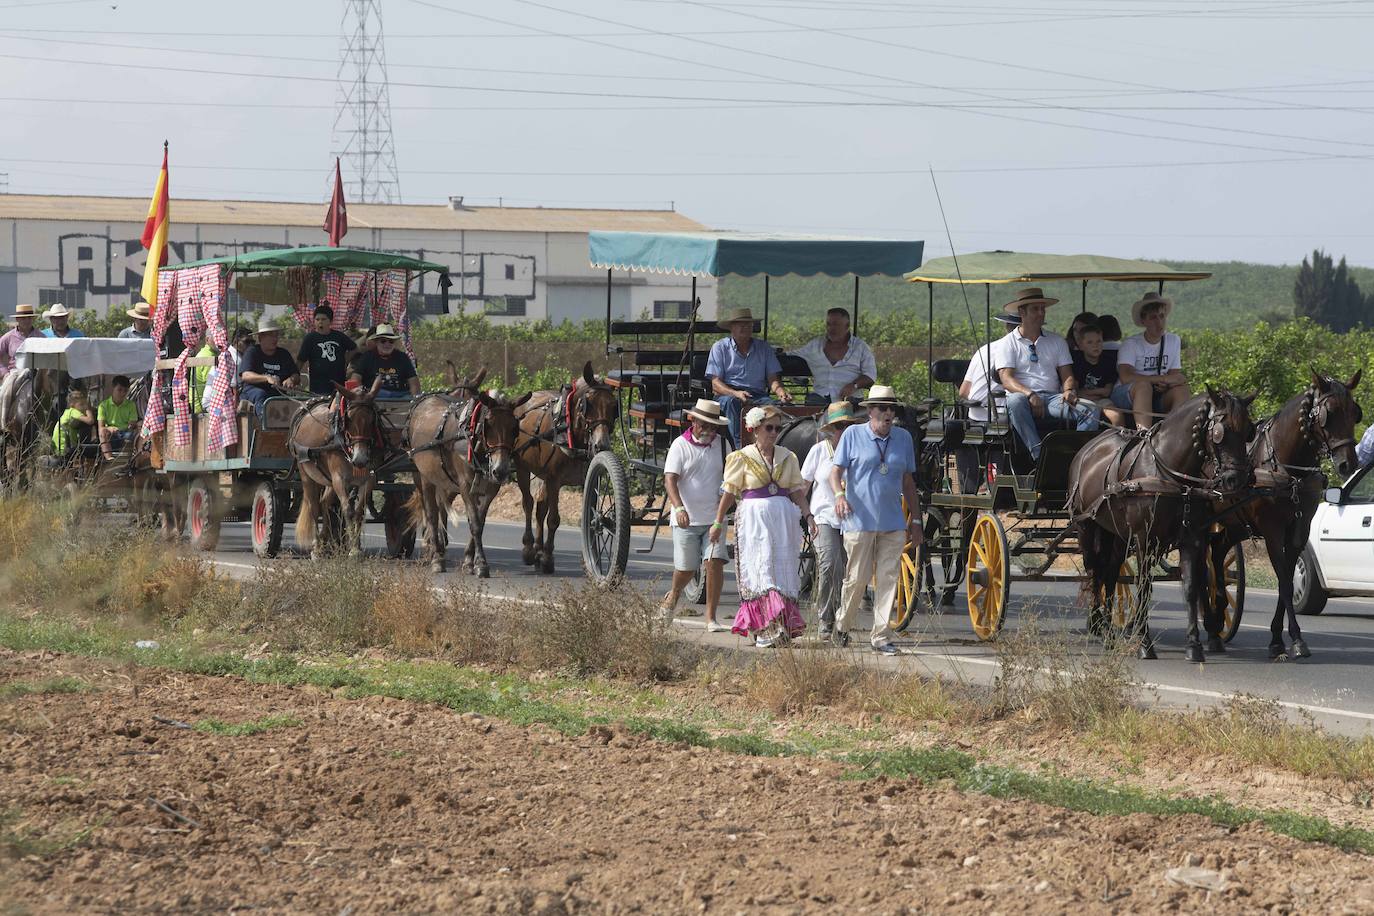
x: 362, y: 299
x: 155, y: 420
x: 221, y: 401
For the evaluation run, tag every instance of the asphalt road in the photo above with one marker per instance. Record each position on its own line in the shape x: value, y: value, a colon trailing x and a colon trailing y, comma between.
x: 1335, y: 686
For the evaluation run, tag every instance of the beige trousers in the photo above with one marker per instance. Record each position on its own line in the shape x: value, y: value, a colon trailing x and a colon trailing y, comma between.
x: 873, y: 556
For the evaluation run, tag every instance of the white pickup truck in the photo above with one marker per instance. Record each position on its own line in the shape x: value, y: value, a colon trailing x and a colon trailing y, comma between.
x: 1339, y: 556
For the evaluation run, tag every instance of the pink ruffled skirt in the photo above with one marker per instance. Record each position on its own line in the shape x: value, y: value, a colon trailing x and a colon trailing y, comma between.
x: 767, y: 567
x: 769, y: 615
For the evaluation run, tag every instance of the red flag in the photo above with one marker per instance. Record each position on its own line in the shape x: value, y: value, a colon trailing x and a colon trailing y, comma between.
x: 336, y: 217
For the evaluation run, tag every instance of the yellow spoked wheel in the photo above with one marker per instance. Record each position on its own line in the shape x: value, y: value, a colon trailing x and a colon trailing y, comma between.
x: 1227, y: 590
x: 908, y: 588
x: 987, y: 578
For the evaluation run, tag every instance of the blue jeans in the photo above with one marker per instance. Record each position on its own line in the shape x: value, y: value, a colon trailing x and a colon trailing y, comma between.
x: 733, y: 408
x: 256, y: 396
x: 386, y: 394
x: 1085, y: 417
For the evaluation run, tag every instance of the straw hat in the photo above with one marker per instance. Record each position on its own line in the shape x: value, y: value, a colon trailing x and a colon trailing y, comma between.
x: 757, y: 415
x: 881, y: 396
x: 140, y: 312
x: 1031, y: 295
x: 707, y: 411
x: 267, y: 326
x: 24, y: 311
x: 384, y: 332
x: 839, y: 412
x: 57, y: 311
x: 1150, y: 299
x: 735, y: 316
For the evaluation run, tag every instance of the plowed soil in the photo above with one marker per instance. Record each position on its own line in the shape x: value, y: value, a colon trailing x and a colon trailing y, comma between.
x: 381, y: 805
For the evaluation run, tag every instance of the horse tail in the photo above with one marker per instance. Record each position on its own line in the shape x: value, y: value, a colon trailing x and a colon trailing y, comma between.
x: 415, y: 509
x: 305, y: 519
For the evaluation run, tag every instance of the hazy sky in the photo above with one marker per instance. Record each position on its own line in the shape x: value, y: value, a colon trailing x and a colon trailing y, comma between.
x: 1216, y: 129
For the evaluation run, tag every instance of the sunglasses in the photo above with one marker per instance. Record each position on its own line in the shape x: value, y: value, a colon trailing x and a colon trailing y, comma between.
x: 880, y: 408
x: 1034, y: 356
x: 770, y: 427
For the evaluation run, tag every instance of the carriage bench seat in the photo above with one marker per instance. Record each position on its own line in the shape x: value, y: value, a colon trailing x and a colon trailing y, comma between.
x: 277, y: 412
x: 949, y: 371
x: 650, y: 410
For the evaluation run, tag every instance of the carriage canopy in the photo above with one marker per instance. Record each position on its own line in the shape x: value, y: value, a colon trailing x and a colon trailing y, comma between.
x: 1027, y: 267
x: 321, y: 256
x: 719, y: 254
x: 83, y: 357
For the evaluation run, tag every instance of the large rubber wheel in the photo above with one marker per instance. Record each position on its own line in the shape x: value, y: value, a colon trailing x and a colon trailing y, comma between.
x: 1227, y: 589
x: 605, y: 520
x: 987, y: 576
x: 267, y: 514
x: 1309, y: 598
x: 204, y: 511
x: 400, y: 533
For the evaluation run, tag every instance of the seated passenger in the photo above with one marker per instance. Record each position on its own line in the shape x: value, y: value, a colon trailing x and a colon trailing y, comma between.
x: 1149, y: 363
x: 267, y: 368
x: 386, y: 371
x: 974, y: 387
x: 1111, y: 332
x: 1094, y: 368
x: 1036, y: 369
x: 742, y: 369
x: 1080, y: 320
x: 200, y: 378
x: 841, y: 364
x: 117, y: 418
x: 73, y: 427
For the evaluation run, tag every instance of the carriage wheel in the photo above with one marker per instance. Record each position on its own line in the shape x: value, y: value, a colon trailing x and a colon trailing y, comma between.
x: 400, y: 533
x: 909, y: 576
x: 941, y: 545
x: 204, y: 512
x: 1229, y: 597
x: 987, y: 580
x: 268, y: 516
x: 605, y: 520
x: 377, y: 505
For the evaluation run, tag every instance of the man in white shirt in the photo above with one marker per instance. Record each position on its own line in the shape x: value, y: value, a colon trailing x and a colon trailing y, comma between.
x: 826, y: 535
x: 1036, y: 369
x: 1149, y: 365
x: 974, y: 387
x: 692, y: 475
x: 841, y: 364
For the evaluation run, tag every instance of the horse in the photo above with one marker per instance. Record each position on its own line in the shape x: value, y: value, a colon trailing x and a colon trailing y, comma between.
x: 337, y: 443
x: 25, y: 396
x: 1152, y: 490
x: 465, y: 448
x: 560, y: 431
x: 1286, y: 454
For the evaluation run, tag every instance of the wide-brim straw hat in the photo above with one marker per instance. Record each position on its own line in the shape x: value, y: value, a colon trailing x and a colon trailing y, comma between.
x: 1031, y: 295
x: 707, y: 411
x: 57, y: 311
x: 881, y: 396
x: 1150, y: 299
x: 756, y: 415
x: 267, y: 326
x: 24, y: 311
x: 384, y: 332
x: 838, y: 413
x: 735, y: 316
x: 140, y: 311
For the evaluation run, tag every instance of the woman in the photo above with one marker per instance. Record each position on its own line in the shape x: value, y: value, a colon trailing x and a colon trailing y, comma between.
x: 1076, y: 325
x: 825, y: 525
x: 767, y: 483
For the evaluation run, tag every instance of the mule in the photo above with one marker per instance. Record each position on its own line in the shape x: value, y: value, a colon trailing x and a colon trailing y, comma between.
x: 1149, y: 491
x: 26, y: 396
x: 460, y: 448
x: 560, y: 431
x: 337, y: 443
x: 1286, y: 455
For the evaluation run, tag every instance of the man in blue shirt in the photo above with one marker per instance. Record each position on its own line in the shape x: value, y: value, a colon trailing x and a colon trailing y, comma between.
x: 873, y: 471
x: 743, y: 370
x: 59, y: 323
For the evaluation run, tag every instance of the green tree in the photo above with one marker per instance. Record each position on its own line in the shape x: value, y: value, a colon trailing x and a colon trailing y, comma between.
x: 1328, y: 294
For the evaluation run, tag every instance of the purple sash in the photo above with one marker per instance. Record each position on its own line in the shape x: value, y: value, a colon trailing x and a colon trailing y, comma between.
x: 763, y: 493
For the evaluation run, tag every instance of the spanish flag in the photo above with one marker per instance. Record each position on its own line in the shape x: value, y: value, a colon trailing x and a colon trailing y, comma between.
x: 155, y: 235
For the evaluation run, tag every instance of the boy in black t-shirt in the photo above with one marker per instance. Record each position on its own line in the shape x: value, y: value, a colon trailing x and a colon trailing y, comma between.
x: 387, y: 372
x: 267, y: 368
x: 1094, y: 368
x: 325, y: 352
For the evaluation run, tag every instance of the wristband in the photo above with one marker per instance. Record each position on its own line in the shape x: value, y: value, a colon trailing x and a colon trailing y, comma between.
x: 716, y: 525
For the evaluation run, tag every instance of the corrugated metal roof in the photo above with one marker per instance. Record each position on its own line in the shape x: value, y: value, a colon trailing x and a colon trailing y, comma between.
x: 360, y: 216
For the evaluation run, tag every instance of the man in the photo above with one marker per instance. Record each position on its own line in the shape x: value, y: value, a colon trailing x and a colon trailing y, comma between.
x: 387, y: 372
x: 14, y: 338
x: 1036, y: 369
x: 826, y: 533
x: 841, y: 364
x: 743, y: 370
x: 116, y: 418
x: 1149, y: 364
x: 59, y: 324
x: 142, y: 328
x: 692, y: 474
x: 874, y: 464
x: 267, y: 368
x: 325, y: 352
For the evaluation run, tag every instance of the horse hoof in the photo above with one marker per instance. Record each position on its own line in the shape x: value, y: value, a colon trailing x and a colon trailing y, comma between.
x: 483, y: 572
x: 1146, y: 652
x: 547, y: 568
x: 1194, y: 653
x: 528, y: 558
x: 1276, y: 651
x: 1215, y: 645
x: 1300, y: 650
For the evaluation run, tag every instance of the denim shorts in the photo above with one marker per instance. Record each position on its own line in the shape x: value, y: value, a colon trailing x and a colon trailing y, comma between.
x: 692, y: 544
x: 1121, y: 397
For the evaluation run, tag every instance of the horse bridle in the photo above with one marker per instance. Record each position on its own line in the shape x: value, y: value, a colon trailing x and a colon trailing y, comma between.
x: 339, y: 437
x: 1317, y: 411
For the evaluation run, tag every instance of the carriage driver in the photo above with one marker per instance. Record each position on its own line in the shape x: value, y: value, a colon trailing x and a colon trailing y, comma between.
x: 1036, y: 369
x: 1148, y: 364
x: 267, y: 368
x: 742, y: 369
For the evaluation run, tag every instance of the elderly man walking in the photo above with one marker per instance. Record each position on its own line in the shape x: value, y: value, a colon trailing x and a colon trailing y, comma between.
x: 743, y: 370
x: 692, y: 474
x: 841, y: 364
x: 874, y: 464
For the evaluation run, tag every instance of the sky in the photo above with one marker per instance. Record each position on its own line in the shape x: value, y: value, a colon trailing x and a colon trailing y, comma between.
x: 1181, y: 129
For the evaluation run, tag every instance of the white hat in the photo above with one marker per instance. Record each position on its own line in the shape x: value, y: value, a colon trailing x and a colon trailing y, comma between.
x: 384, y: 332
x: 57, y: 311
x: 707, y: 411
x: 267, y: 326
x: 882, y: 396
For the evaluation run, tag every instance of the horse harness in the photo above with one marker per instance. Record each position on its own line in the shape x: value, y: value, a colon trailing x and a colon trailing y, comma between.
x: 340, y: 439
x: 468, y: 422
x: 1313, y: 414
x: 570, y: 405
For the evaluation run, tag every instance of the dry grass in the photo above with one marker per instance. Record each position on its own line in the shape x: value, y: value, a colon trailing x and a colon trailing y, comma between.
x: 589, y: 630
x: 806, y: 680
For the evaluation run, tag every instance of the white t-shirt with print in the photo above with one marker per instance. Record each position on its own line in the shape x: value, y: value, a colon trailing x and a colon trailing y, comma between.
x: 700, y: 470
x: 1144, y: 357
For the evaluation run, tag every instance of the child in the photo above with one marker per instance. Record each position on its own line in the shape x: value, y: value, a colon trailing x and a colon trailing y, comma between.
x: 1095, y: 369
x: 117, y: 418
x: 74, y: 425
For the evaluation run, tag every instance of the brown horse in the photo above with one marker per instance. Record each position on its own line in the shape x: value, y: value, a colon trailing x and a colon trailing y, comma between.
x: 460, y: 448
x: 337, y: 442
x: 559, y: 433
x: 1149, y: 491
x: 1286, y: 455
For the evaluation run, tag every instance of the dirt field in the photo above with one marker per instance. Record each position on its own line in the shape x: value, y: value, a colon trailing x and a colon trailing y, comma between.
x: 366, y: 806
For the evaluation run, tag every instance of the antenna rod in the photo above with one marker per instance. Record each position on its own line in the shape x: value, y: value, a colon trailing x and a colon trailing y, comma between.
x: 987, y: 326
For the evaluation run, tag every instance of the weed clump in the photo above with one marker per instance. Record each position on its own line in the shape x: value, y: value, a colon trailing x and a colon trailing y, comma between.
x: 1052, y: 676
x: 589, y: 630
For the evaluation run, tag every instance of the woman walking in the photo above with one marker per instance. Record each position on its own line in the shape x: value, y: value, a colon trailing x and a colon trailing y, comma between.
x: 826, y: 535
x: 766, y: 481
